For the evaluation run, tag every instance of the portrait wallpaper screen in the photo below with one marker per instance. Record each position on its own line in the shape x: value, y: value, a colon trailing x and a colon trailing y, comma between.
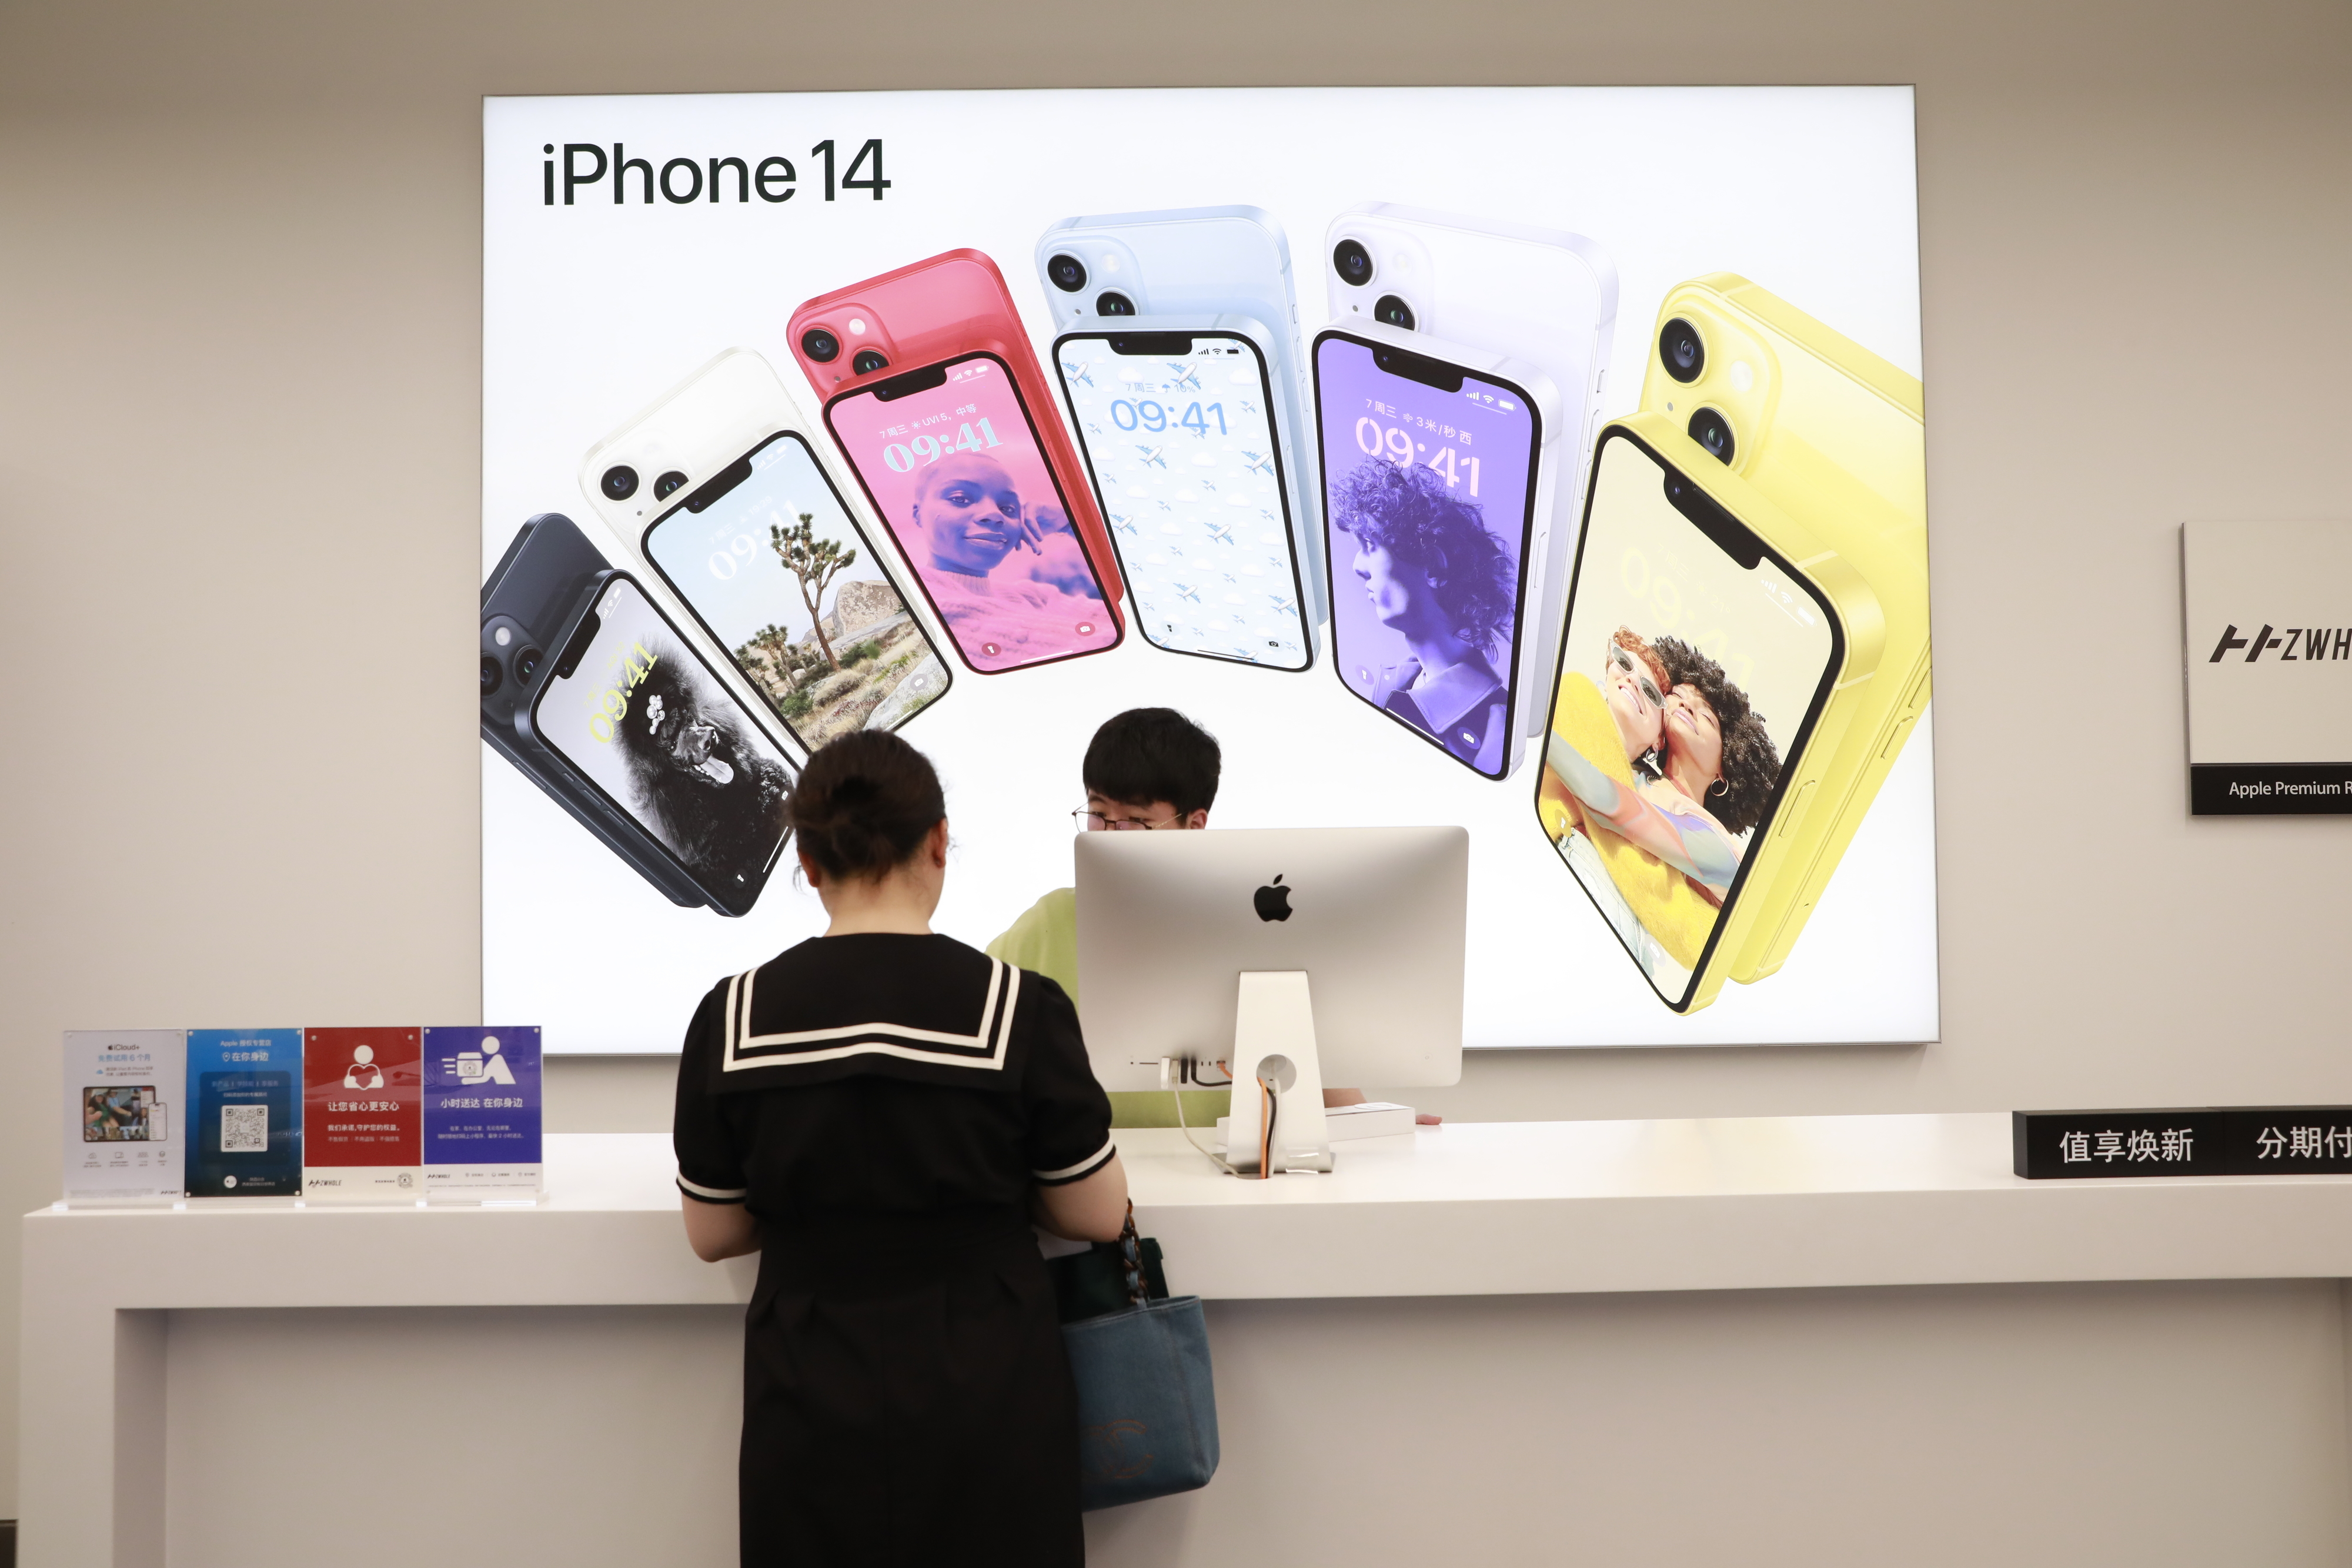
x: 962, y: 486
x: 1663, y: 760
x: 643, y: 720
x: 786, y: 582
x: 989, y: 529
x: 1426, y: 491
x: 1181, y: 439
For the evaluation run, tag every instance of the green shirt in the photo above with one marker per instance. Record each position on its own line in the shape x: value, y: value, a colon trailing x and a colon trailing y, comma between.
x: 1045, y: 940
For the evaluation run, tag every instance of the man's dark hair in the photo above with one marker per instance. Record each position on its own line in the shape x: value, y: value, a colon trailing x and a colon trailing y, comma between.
x: 1148, y: 754
x: 1751, y: 763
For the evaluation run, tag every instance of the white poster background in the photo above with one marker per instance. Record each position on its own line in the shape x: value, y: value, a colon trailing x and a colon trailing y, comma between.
x: 591, y: 312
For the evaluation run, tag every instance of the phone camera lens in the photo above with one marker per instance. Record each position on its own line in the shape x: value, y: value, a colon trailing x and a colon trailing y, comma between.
x: 866, y: 361
x: 1113, y: 303
x: 620, y: 482
x: 1394, y: 311
x: 491, y: 674
x: 1068, y: 273
x: 669, y: 485
x: 1680, y: 351
x: 1352, y: 262
x: 1712, y: 431
x: 820, y: 345
x: 526, y: 664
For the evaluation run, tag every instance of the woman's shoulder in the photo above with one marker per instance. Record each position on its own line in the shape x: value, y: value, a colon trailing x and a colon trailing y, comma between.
x: 1663, y: 792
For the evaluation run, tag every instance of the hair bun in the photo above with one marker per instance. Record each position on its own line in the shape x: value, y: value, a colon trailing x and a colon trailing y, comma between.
x: 864, y: 804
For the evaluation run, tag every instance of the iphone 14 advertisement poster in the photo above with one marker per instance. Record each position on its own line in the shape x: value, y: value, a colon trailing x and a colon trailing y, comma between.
x: 1177, y: 431
x: 244, y: 1086
x: 363, y: 1115
x: 1434, y: 476
x: 616, y: 718
x: 1671, y: 755
x: 1279, y: 407
x: 935, y: 397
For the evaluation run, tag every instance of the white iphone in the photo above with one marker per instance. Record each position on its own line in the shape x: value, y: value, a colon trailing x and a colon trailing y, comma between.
x: 730, y: 503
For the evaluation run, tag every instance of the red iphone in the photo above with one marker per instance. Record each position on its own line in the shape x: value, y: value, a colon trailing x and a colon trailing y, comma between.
x: 936, y: 398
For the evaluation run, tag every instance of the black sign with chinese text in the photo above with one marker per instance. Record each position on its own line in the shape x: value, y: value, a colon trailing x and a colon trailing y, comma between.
x: 2291, y: 1140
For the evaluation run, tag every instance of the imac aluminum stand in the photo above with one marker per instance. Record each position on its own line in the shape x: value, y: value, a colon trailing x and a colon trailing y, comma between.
x: 1274, y: 1046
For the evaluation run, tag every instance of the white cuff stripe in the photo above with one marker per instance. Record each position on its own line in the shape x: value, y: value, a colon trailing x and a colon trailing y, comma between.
x: 715, y: 1194
x: 1086, y: 1166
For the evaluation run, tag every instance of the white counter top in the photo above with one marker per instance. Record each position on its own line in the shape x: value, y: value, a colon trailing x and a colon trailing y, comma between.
x: 1491, y: 1208
x: 1513, y: 1208
x: 1503, y: 1207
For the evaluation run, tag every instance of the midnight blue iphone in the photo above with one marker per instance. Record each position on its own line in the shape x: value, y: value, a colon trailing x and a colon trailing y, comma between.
x: 538, y: 588
x: 615, y: 717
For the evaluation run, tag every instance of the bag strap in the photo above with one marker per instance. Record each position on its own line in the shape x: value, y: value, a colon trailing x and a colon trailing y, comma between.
x: 1130, y: 1258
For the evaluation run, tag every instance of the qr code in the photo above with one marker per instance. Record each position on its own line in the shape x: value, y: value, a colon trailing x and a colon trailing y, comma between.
x: 245, y: 1129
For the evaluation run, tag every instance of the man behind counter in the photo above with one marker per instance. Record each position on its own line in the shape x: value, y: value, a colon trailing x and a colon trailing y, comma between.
x: 1146, y: 769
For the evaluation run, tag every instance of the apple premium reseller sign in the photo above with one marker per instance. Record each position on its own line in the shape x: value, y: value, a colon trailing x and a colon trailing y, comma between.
x: 2268, y: 652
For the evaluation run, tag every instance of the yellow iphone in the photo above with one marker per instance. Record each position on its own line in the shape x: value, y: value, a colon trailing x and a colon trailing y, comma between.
x: 1708, y: 672
x: 1836, y: 437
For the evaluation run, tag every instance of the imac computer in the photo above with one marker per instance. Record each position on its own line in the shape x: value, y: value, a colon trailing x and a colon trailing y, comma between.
x: 1284, y: 958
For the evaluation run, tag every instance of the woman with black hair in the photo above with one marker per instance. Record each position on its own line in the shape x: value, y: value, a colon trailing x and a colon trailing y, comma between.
x: 1718, y: 771
x: 1439, y: 579
x: 1720, y: 761
x: 882, y: 1112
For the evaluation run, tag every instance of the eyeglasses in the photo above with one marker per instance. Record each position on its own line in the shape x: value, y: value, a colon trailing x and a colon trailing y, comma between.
x: 1097, y: 823
x: 1624, y: 661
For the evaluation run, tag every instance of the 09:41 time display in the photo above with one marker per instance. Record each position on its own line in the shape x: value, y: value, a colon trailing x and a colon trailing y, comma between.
x: 609, y: 706
x: 1397, y: 446
x: 931, y: 448
x: 1151, y: 416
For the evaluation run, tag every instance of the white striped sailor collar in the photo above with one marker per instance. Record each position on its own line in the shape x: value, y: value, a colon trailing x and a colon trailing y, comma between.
x: 984, y: 1049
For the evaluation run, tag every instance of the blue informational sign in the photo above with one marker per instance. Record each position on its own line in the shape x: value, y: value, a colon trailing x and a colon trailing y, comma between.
x: 481, y: 1099
x: 247, y: 1136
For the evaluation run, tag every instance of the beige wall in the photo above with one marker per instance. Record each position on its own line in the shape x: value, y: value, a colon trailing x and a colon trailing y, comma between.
x: 238, y: 475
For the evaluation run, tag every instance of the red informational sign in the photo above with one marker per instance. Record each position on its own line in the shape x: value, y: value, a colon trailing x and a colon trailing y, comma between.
x: 363, y: 1091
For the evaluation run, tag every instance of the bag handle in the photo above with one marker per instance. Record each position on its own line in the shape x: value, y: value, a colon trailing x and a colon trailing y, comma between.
x: 1130, y: 1258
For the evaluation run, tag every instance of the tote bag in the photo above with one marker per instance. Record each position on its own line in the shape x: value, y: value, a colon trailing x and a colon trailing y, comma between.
x: 1147, y: 1407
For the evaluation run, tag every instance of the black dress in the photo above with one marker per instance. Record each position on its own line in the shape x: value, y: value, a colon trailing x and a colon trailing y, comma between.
x: 882, y: 1105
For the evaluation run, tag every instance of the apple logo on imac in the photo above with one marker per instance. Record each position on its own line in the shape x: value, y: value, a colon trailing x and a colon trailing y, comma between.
x: 1273, y: 900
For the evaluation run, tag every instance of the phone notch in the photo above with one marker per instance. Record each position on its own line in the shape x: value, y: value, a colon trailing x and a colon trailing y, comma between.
x: 1415, y: 368
x: 567, y: 664
x: 718, y: 483
x: 913, y: 381
x: 1152, y: 344
x: 1729, y: 535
